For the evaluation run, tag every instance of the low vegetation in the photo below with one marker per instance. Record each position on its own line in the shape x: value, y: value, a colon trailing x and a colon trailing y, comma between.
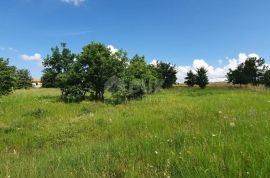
x: 179, y: 132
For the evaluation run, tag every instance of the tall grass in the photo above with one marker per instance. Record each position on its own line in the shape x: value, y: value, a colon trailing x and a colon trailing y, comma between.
x: 217, y: 132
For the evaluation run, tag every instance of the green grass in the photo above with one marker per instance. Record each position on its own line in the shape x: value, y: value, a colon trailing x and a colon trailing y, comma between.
x: 217, y: 132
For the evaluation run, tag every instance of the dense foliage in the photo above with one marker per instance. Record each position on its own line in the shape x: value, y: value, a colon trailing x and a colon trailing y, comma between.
x: 23, y: 79
x: 252, y: 71
x: 7, y: 77
x: 200, y: 78
x: 190, y: 79
x: 98, y: 69
x: 58, y: 63
x: 266, y: 78
x: 167, y: 73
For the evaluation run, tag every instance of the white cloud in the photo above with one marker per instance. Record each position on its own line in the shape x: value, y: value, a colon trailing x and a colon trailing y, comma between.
x: 197, y: 63
x: 35, y: 57
x: 154, y: 62
x: 215, y: 74
x: 112, y: 48
x: 74, y: 2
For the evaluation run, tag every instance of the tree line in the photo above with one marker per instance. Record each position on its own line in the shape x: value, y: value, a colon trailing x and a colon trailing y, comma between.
x: 98, y: 69
x: 252, y: 71
x: 12, y: 78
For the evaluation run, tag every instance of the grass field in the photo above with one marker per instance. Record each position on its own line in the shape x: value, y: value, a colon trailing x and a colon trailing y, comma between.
x: 181, y: 132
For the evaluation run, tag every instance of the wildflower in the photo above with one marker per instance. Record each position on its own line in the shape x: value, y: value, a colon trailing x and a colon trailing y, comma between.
x: 156, y: 152
x: 232, y: 124
x: 213, y: 135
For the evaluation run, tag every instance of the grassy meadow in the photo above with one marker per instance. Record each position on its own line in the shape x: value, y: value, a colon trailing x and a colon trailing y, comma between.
x: 216, y: 132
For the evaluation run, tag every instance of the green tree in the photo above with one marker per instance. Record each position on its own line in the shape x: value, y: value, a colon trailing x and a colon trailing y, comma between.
x: 249, y: 72
x: 56, y: 64
x: 141, y: 78
x: 190, y: 79
x: 99, y: 64
x: 24, y: 79
x: 167, y: 73
x: 201, y: 77
x: 253, y: 70
x: 48, y: 78
x: 266, y: 78
x: 7, y: 77
x: 72, y: 83
x: 237, y: 76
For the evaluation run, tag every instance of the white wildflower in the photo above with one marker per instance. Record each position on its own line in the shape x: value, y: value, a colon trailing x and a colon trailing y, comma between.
x: 232, y: 124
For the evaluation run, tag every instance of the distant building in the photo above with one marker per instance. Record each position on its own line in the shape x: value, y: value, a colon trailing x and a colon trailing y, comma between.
x: 36, y: 83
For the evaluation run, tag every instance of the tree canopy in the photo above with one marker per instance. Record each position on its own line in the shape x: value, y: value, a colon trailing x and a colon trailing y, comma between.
x: 7, y: 77
x: 167, y: 73
x: 23, y: 79
x: 201, y: 77
x: 97, y: 69
x: 249, y: 72
x: 190, y: 79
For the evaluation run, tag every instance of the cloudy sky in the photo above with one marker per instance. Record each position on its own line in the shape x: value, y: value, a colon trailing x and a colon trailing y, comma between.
x: 216, y: 34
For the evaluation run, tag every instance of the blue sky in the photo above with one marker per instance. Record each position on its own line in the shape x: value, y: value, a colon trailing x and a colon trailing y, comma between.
x: 188, y: 33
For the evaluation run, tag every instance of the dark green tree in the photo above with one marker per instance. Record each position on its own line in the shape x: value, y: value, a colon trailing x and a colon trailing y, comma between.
x: 253, y: 70
x: 99, y: 64
x: 72, y: 83
x: 237, y: 76
x: 201, y: 77
x: 190, y: 79
x: 7, y: 77
x: 266, y: 78
x: 249, y: 72
x: 57, y: 63
x: 24, y: 79
x: 167, y: 73
x: 48, y: 78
